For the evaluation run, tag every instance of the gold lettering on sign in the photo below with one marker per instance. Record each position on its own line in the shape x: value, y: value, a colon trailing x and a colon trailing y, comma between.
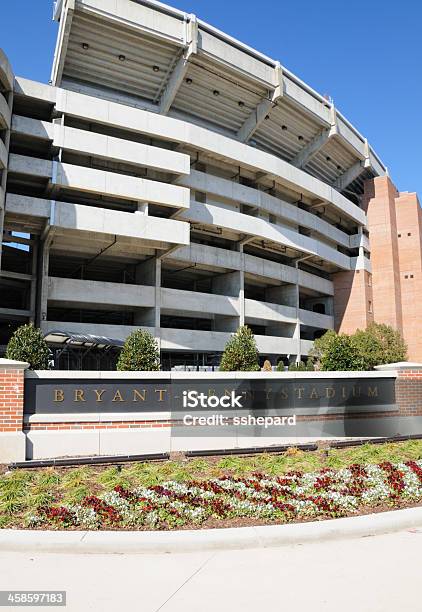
x: 117, y: 397
x: 58, y: 395
x: 330, y: 392
x: 299, y: 391
x: 372, y: 391
x: 314, y: 394
x: 343, y: 393
x: 356, y: 391
x: 79, y: 395
x: 99, y: 394
x: 268, y: 393
x: 161, y: 392
x: 139, y: 395
x: 284, y: 394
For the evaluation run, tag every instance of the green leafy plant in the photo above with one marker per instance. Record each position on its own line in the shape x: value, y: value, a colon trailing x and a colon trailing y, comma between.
x: 27, y: 344
x: 240, y: 354
x: 339, y: 353
x: 321, y: 345
x: 301, y: 367
x: 140, y: 352
x: 379, y: 344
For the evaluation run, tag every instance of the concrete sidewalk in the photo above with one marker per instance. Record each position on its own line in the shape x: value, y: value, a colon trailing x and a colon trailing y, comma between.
x: 369, y: 574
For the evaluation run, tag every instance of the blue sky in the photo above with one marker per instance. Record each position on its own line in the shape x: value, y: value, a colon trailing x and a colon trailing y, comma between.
x: 366, y: 55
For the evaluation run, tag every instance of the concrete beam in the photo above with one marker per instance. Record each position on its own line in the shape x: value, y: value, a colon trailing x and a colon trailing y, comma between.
x: 78, y: 217
x: 263, y: 109
x: 102, y: 146
x: 179, y: 72
x: 213, y: 214
x: 316, y: 144
x: 62, y: 41
x: 312, y: 148
x: 92, y: 180
x: 13, y: 312
x: 354, y: 171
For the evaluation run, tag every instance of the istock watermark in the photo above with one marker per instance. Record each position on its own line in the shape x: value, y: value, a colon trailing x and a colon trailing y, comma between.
x: 250, y: 420
x: 193, y: 399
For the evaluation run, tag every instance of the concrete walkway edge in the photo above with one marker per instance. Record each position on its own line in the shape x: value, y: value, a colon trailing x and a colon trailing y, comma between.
x: 148, y: 542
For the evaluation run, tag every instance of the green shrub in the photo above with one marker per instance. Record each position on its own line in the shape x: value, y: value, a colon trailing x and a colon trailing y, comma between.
x: 321, y: 345
x: 139, y: 353
x: 379, y: 344
x: 341, y: 354
x: 240, y: 354
x: 28, y: 344
x: 301, y: 367
x: 369, y: 348
x: 280, y: 366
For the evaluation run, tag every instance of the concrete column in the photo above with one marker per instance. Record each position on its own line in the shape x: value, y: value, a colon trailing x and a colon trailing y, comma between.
x: 285, y: 295
x: 158, y: 302
x: 227, y: 284
x: 149, y: 273
x: 143, y: 208
x: 3, y: 181
x: 33, y: 298
x: 145, y: 273
x: 43, y: 278
x: 242, y: 288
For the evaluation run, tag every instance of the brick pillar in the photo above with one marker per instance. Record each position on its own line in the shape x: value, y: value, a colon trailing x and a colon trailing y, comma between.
x: 12, y: 437
x: 380, y: 204
x: 353, y: 301
x: 409, y: 389
x: 409, y: 233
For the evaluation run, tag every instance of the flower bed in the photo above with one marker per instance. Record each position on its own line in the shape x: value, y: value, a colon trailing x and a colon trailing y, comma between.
x: 293, y: 496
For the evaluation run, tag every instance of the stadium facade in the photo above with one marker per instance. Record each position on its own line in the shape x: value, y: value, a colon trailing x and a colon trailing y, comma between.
x: 172, y: 178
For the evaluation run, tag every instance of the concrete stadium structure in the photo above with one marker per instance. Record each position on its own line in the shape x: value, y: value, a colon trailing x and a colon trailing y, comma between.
x: 172, y: 178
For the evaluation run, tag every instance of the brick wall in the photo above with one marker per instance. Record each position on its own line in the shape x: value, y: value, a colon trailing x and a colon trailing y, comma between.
x: 12, y: 437
x: 59, y: 435
x: 11, y: 399
x: 409, y: 391
x: 352, y: 301
x: 409, y: 235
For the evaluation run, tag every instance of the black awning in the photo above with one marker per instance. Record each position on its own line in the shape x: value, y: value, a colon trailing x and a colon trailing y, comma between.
x: 63, y: 338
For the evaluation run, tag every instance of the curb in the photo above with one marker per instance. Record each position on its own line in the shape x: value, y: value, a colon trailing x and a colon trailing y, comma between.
x: 156, y: 542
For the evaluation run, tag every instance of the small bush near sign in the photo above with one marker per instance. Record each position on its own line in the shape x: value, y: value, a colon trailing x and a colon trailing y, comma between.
x: 140, y: 353
x: 240, y: 354
x: 27, y: 344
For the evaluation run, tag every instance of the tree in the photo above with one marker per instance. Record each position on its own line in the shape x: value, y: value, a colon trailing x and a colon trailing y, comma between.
x: 369, y: 347
x: 321, y: 345
x: 28, y: 344
x: 380, y: 344
x: 240, y: 354
x: 341, y: 354
x: 139, y: 353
